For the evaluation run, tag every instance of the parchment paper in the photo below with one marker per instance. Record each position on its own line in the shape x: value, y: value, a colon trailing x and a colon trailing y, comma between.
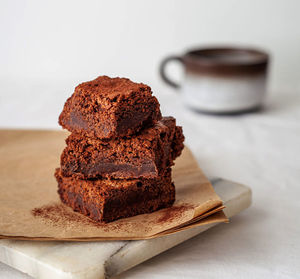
x: 30, y: 207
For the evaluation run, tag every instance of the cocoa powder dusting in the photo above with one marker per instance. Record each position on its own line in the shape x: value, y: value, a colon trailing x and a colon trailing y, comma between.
x: 174, y: 212
x: 58, y: 214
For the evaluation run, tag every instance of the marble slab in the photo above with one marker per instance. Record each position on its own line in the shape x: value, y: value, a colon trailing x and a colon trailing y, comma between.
x: 93, y: 260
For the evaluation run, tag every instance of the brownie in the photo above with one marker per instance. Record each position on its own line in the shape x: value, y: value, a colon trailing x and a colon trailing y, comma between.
x: 110, y: 107
x: 144, y: 155
x: 105, y: 200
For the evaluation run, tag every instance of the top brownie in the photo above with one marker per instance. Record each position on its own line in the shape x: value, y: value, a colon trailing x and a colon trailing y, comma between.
x: 109, y: 108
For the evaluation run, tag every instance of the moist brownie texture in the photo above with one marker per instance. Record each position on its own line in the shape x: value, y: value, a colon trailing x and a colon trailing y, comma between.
x: 144, y: 155
x: 105, y: 200
x: 110, y: 107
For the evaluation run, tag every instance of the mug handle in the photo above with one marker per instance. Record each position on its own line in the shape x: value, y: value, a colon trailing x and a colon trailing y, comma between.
x: 162, y: 70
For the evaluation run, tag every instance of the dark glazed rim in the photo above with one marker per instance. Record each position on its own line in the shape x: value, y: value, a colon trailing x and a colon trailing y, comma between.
x: 206, y: 60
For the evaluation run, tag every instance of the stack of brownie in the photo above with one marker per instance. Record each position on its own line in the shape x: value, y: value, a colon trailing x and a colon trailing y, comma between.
x: 118, y: 158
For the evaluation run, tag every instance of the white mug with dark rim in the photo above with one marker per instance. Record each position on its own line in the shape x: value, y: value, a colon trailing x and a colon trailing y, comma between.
x: 221, y: 80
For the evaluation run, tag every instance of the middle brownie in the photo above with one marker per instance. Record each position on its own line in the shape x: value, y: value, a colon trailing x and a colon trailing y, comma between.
x: 144, y: 155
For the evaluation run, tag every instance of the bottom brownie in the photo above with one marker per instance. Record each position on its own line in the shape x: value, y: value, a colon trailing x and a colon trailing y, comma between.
x: 106, y: 200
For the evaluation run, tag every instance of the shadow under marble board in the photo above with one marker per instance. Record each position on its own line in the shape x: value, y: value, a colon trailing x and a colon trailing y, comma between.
x: 91, y: 260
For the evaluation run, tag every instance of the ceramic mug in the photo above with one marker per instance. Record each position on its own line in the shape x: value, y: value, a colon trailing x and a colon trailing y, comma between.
x: 221, y: 80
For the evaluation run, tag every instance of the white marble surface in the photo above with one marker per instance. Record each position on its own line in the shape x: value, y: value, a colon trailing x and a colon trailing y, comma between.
x: 92, y: 260
x: 261, y: 150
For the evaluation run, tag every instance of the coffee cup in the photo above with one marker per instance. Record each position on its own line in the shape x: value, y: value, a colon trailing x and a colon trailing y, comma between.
x: 221, y: 80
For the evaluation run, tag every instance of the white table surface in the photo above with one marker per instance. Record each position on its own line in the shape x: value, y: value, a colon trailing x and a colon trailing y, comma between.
x: 261, y: 150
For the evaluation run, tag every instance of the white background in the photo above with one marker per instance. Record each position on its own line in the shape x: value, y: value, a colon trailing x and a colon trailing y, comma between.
x: 78, y: 40
x: 48, y: 47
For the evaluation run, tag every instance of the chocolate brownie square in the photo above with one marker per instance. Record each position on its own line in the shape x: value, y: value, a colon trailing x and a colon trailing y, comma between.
x: 105, y: 200
x: 144, y: 155
x: 110, y: 107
